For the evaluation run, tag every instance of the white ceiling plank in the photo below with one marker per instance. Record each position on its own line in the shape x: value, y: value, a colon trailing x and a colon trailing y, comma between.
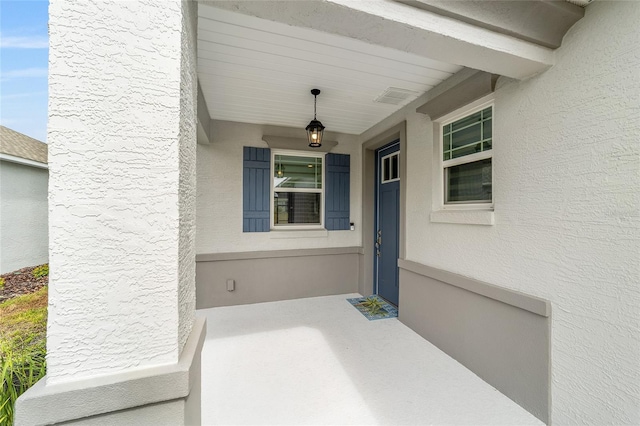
x: 287, y: 67
x: 207, y: 12
x: 342, y: 100
x: 340, y: 104
x: 286, y: 56
x: 301, y: 112
x: 287, y: 87
x: 266, y: 77
x: 232, y: 35
x: 327, y: 111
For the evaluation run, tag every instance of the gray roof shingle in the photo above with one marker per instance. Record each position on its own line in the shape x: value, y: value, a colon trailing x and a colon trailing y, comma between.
x: 23, y: 146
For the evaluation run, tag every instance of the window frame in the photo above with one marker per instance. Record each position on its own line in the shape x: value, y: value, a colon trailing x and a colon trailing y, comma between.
x: 294, y: 226
x: 465, y: 111
x: 383, y: 167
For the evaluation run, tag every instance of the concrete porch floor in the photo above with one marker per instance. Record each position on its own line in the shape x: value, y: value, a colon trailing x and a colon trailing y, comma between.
x: 319, y: 361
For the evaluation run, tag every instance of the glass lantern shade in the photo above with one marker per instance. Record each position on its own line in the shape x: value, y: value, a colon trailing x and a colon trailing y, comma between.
x: 315, y: 130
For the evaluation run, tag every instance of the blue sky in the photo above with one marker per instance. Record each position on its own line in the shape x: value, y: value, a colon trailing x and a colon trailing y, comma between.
x: 24, y: 57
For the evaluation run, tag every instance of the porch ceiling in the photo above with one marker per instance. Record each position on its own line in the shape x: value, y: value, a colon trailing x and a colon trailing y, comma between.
x: 258, y: 71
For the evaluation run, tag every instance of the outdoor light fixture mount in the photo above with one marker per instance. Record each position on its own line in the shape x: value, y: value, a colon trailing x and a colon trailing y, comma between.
x: 315, y: 129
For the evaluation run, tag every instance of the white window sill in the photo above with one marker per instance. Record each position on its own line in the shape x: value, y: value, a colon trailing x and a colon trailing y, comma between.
x: 298, y: 233
x: 464, y: 217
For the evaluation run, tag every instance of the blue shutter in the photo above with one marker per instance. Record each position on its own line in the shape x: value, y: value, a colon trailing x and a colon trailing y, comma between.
x: 336, y: 213
x: 256, y: 181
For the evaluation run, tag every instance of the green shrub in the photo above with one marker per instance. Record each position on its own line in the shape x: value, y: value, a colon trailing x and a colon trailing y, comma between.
x: 19, y: 373
x: 41, y: 271
x: 1, y: 283
x: 23, y: 323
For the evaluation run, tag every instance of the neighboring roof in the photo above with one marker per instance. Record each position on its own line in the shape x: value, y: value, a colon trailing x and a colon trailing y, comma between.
x: 23, y: 146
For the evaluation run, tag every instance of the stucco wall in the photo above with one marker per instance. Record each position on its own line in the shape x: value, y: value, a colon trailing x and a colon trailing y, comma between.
x: 567, y: 210
x: 187, y: 159
x: 219, y: 212
x: 24, y: 234
x: 115, y: 157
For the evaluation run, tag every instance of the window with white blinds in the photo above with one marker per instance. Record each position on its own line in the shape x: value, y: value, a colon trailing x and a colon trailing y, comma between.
x: 297, y: 189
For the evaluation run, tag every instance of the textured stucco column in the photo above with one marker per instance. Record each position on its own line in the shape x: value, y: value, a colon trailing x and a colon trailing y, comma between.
x: 122, y: 147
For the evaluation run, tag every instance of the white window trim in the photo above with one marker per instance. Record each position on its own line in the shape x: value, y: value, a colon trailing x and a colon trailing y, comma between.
x: 463, y: 213
x: 296, y: 227
x: 393, y: 154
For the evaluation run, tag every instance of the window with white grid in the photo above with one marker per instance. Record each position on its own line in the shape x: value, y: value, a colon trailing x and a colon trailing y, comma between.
x: 467, y: 143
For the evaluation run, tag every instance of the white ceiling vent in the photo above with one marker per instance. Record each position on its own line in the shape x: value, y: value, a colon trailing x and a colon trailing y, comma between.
x: 396, y: 96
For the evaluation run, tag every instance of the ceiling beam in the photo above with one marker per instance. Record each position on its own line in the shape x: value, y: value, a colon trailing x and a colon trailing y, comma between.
x: 204, y: 120
x: 470, y: 89
x: 403, y: 27
x: 543, y: 22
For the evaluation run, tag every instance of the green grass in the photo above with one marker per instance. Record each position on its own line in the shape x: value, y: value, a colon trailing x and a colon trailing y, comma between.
x: 23, y: 326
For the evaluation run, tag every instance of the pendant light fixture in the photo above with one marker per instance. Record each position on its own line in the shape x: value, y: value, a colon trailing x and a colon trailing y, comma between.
x: 315, y: 128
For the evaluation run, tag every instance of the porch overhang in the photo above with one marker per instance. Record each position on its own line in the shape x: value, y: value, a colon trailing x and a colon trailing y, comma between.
x: 408, y: 29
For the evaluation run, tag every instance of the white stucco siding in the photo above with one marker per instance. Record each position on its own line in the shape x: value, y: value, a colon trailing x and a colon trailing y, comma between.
x: 219, y: 215
x: 116, y: 157
x: 187, y: 194
x: 567, y: 210
x: 571, y: 179
x: 24, y: 234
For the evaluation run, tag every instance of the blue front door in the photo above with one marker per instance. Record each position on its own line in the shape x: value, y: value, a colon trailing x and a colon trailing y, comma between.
x: 387, y: 229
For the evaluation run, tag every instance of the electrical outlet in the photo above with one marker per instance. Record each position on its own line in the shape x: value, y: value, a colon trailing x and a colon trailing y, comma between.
x: 231, y: 285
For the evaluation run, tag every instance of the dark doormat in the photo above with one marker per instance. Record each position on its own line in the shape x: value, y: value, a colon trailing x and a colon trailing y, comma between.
x: 374, y: 307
